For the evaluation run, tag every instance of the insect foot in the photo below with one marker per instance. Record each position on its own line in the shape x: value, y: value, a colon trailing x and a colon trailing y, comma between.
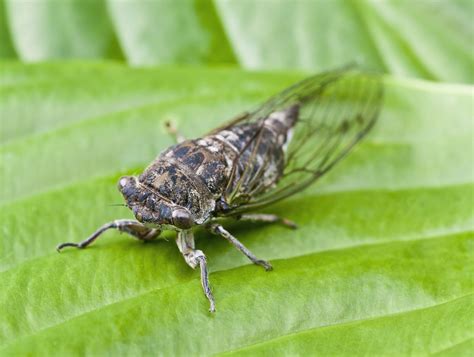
x: 195, y: 258
x: 59, y: 247
x: 266, y: 265
x: 289, y: 224
x: 219, y: 230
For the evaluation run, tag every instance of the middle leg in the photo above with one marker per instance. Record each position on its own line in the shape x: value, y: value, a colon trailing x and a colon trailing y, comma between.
x: 219, y: 230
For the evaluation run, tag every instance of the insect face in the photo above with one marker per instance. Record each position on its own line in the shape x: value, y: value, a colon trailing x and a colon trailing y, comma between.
x: 150, y: 208
x: 136, y: 198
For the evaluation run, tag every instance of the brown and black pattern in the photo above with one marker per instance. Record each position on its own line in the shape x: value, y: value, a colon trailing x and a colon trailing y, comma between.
x: 196, y: 173
x: 255, y: 160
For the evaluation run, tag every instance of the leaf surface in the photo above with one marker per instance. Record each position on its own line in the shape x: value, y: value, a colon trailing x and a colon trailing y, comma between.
x: 49, y: 29
x: 423, y: 38
x: 430, y: 39
x: 382, y: 259
x: 168, y: 31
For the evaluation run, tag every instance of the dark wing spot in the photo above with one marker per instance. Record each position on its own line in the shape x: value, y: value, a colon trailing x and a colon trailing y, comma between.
x: 171, y: 170
x: 150, y: 203
x: 344, y: 126
x: 179, y: 153
x: 164, y: 212
x: 129, y: 191
x: 213, y: 176
x: 143, y: 195
x: 173, y: 179
x: 194, y: 161
x: 165, y: 190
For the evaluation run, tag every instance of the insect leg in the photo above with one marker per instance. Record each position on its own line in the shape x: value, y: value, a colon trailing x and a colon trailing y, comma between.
x: 219, y: 230
x: 194, y: 257
x: 174, y: 132
x: 269, y: 218
x: 131, y: 227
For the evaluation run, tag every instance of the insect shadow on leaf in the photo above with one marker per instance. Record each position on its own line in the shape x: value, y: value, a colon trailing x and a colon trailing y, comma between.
x: 257, y: 159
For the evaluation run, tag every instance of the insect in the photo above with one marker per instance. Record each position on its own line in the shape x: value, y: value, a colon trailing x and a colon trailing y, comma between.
x: 259, y: 158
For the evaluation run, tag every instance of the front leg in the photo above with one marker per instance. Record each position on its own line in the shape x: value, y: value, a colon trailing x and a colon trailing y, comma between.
x: 193, y: 257
x: 219, y: 230
x: 129, y: 226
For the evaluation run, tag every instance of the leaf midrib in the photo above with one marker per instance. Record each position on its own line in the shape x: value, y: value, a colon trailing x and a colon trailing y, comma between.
x: 454, y: 345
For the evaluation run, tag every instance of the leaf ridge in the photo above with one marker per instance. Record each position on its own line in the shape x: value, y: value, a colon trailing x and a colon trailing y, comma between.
x: 348, y: 323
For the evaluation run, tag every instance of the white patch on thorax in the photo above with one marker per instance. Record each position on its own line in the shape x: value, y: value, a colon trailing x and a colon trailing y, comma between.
x: 210, y: 144
x: 289, y: 136
x: 278, y: 116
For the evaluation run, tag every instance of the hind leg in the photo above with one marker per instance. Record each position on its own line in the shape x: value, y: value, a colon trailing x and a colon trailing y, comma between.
x: 269, y: 218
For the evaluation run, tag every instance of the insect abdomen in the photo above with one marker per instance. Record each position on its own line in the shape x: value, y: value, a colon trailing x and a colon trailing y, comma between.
x: 260, y: 149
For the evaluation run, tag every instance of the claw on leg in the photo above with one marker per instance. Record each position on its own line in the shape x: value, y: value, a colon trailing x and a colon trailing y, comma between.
x: 205, y: 282
x: 131, y: 227
x: 266, y: 265
x: 219, y: 230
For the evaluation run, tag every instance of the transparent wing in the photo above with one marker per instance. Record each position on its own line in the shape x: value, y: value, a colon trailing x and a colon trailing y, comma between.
x: 336, y: 110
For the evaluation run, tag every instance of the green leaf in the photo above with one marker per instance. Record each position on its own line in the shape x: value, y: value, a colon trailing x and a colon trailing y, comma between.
x: 169, y: 31
x: 6, y: 46
x: 49, y: 29
x: 381, y: 264
x: 423, y: 38
x: 430, y: 39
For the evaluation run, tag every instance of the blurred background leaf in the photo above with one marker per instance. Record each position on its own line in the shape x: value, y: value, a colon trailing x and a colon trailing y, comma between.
x: 6, y: 46
x: 51, y: 29
x: 430, y: 39
x: 169, y: 31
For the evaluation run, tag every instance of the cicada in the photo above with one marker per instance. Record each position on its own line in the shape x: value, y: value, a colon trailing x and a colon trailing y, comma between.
x: 261, y: 157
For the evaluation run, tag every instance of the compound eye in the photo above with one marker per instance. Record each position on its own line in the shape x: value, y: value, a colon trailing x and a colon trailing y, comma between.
x: 138, y: 215
x: 182, y: 219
